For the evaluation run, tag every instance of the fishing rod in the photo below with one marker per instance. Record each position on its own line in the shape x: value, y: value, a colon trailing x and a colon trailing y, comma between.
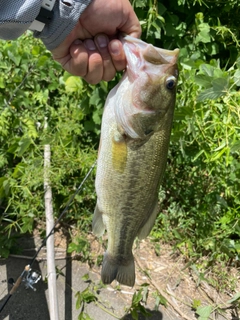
x: 29, y: 276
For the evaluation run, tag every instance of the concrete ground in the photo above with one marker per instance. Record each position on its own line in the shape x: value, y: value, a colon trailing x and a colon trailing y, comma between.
x: 33, y: 305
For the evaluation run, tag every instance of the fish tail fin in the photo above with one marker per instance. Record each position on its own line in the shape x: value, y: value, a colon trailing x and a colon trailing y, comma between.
x: 113, y: 270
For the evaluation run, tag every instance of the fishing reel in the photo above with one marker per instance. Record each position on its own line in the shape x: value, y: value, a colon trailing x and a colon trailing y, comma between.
x: 29, y: 277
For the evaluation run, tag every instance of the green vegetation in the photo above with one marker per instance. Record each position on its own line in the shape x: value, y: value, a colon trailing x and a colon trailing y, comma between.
x: 35, y: 90
x: 200, y: 202
x: 200, y: 212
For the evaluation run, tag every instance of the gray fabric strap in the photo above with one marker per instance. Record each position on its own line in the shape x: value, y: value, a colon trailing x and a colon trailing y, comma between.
x: 64, y: 20
x: 17, y: 16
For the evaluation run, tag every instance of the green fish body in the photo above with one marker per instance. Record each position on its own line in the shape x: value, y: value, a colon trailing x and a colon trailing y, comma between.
x: 135, y: 135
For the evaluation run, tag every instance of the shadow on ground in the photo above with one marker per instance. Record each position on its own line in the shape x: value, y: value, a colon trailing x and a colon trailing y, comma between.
x: 24, y: 303
x: 154, y: 315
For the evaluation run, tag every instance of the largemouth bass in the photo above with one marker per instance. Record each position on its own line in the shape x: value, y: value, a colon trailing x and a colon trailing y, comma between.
x: 135, y: 134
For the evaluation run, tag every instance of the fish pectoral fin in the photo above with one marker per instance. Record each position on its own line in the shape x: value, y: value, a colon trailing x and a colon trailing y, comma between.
x: 98, y: 226
x: 112, y: 269
x: 119, y: 152
x: 145, y: 230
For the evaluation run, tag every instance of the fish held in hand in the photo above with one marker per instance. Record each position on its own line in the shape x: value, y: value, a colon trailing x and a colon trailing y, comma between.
x: 135, y: 134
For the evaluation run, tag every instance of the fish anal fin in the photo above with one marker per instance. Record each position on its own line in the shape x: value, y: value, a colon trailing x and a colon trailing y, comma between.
x: 145, y: 230
x: 114, y: 269
x: 98, y: 226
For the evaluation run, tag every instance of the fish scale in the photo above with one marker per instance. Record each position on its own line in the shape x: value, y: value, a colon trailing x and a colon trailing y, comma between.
x: 135, y: 134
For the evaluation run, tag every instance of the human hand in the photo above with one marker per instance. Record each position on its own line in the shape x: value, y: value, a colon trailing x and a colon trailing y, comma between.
x: 92, y: 49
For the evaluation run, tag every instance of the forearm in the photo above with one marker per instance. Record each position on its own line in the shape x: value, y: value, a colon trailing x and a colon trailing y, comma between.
x: 17, y: 16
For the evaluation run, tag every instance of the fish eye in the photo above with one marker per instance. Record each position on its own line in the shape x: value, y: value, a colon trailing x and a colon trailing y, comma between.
x: 170, y: 82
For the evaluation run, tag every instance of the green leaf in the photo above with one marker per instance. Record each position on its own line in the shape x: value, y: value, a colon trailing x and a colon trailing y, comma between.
x: 35, y: 50
x: 218, y: 155
x: 24, y: 145
x: 95, y: 98
x: 160, y: 300
x: 72, y: 247
x: 73, y: 84
x: 220, y: 85
x: 79, y: 300
x: 134, y: 314
x: 204, y: 312
x: 137, y: 297
x: 19, y: 170
x: 96, y: 117
x: 237, y: 247
x: 144, y: 290
x: 139, y: 3
x: 237, y: 78
x: 203, y: 80
x: 235, y: 147
x: 196, y: 303
x: 6, y: 186
x: 204, y: 34
x: 42, y: 61
x: 14, y: 57
x: 27, y: 225
x: 207, y: 94
x: 84, y: 316
x: 221, y: 146
x: 235, y: 298
x: 85, y: 277
x: 218, y: 89
x: 3, y: 189
x: 188, y: 64
x: 32, y: 132
x: 198, y: 155
x: 238, y: 62
x: 208, y: 70
x: 2, y: 83
x: 182, y: 113
x: 88, y: 296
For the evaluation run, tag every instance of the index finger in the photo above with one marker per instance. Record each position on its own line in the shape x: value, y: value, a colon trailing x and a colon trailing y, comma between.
x: 131, y: 26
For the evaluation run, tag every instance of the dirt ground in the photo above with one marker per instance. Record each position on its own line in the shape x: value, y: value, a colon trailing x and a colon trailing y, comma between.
x: 179, y: 282
x: 168, y: 275
x: 181, y: 286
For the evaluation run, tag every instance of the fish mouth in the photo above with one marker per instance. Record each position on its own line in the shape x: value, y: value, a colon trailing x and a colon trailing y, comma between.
x: 152, y: 54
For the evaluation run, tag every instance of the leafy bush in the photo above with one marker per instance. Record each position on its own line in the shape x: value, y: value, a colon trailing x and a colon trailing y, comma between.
x: 200, y: 206
x: 34, y: 91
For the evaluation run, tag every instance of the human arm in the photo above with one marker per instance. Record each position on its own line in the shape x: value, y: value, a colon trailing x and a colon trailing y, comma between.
x: 73, y: 33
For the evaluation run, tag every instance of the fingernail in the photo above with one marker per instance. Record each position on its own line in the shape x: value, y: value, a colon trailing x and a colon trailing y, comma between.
x: 90, y: 44
x: 78, y: 41
x: 102, y: 41
x: 114, y: 47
